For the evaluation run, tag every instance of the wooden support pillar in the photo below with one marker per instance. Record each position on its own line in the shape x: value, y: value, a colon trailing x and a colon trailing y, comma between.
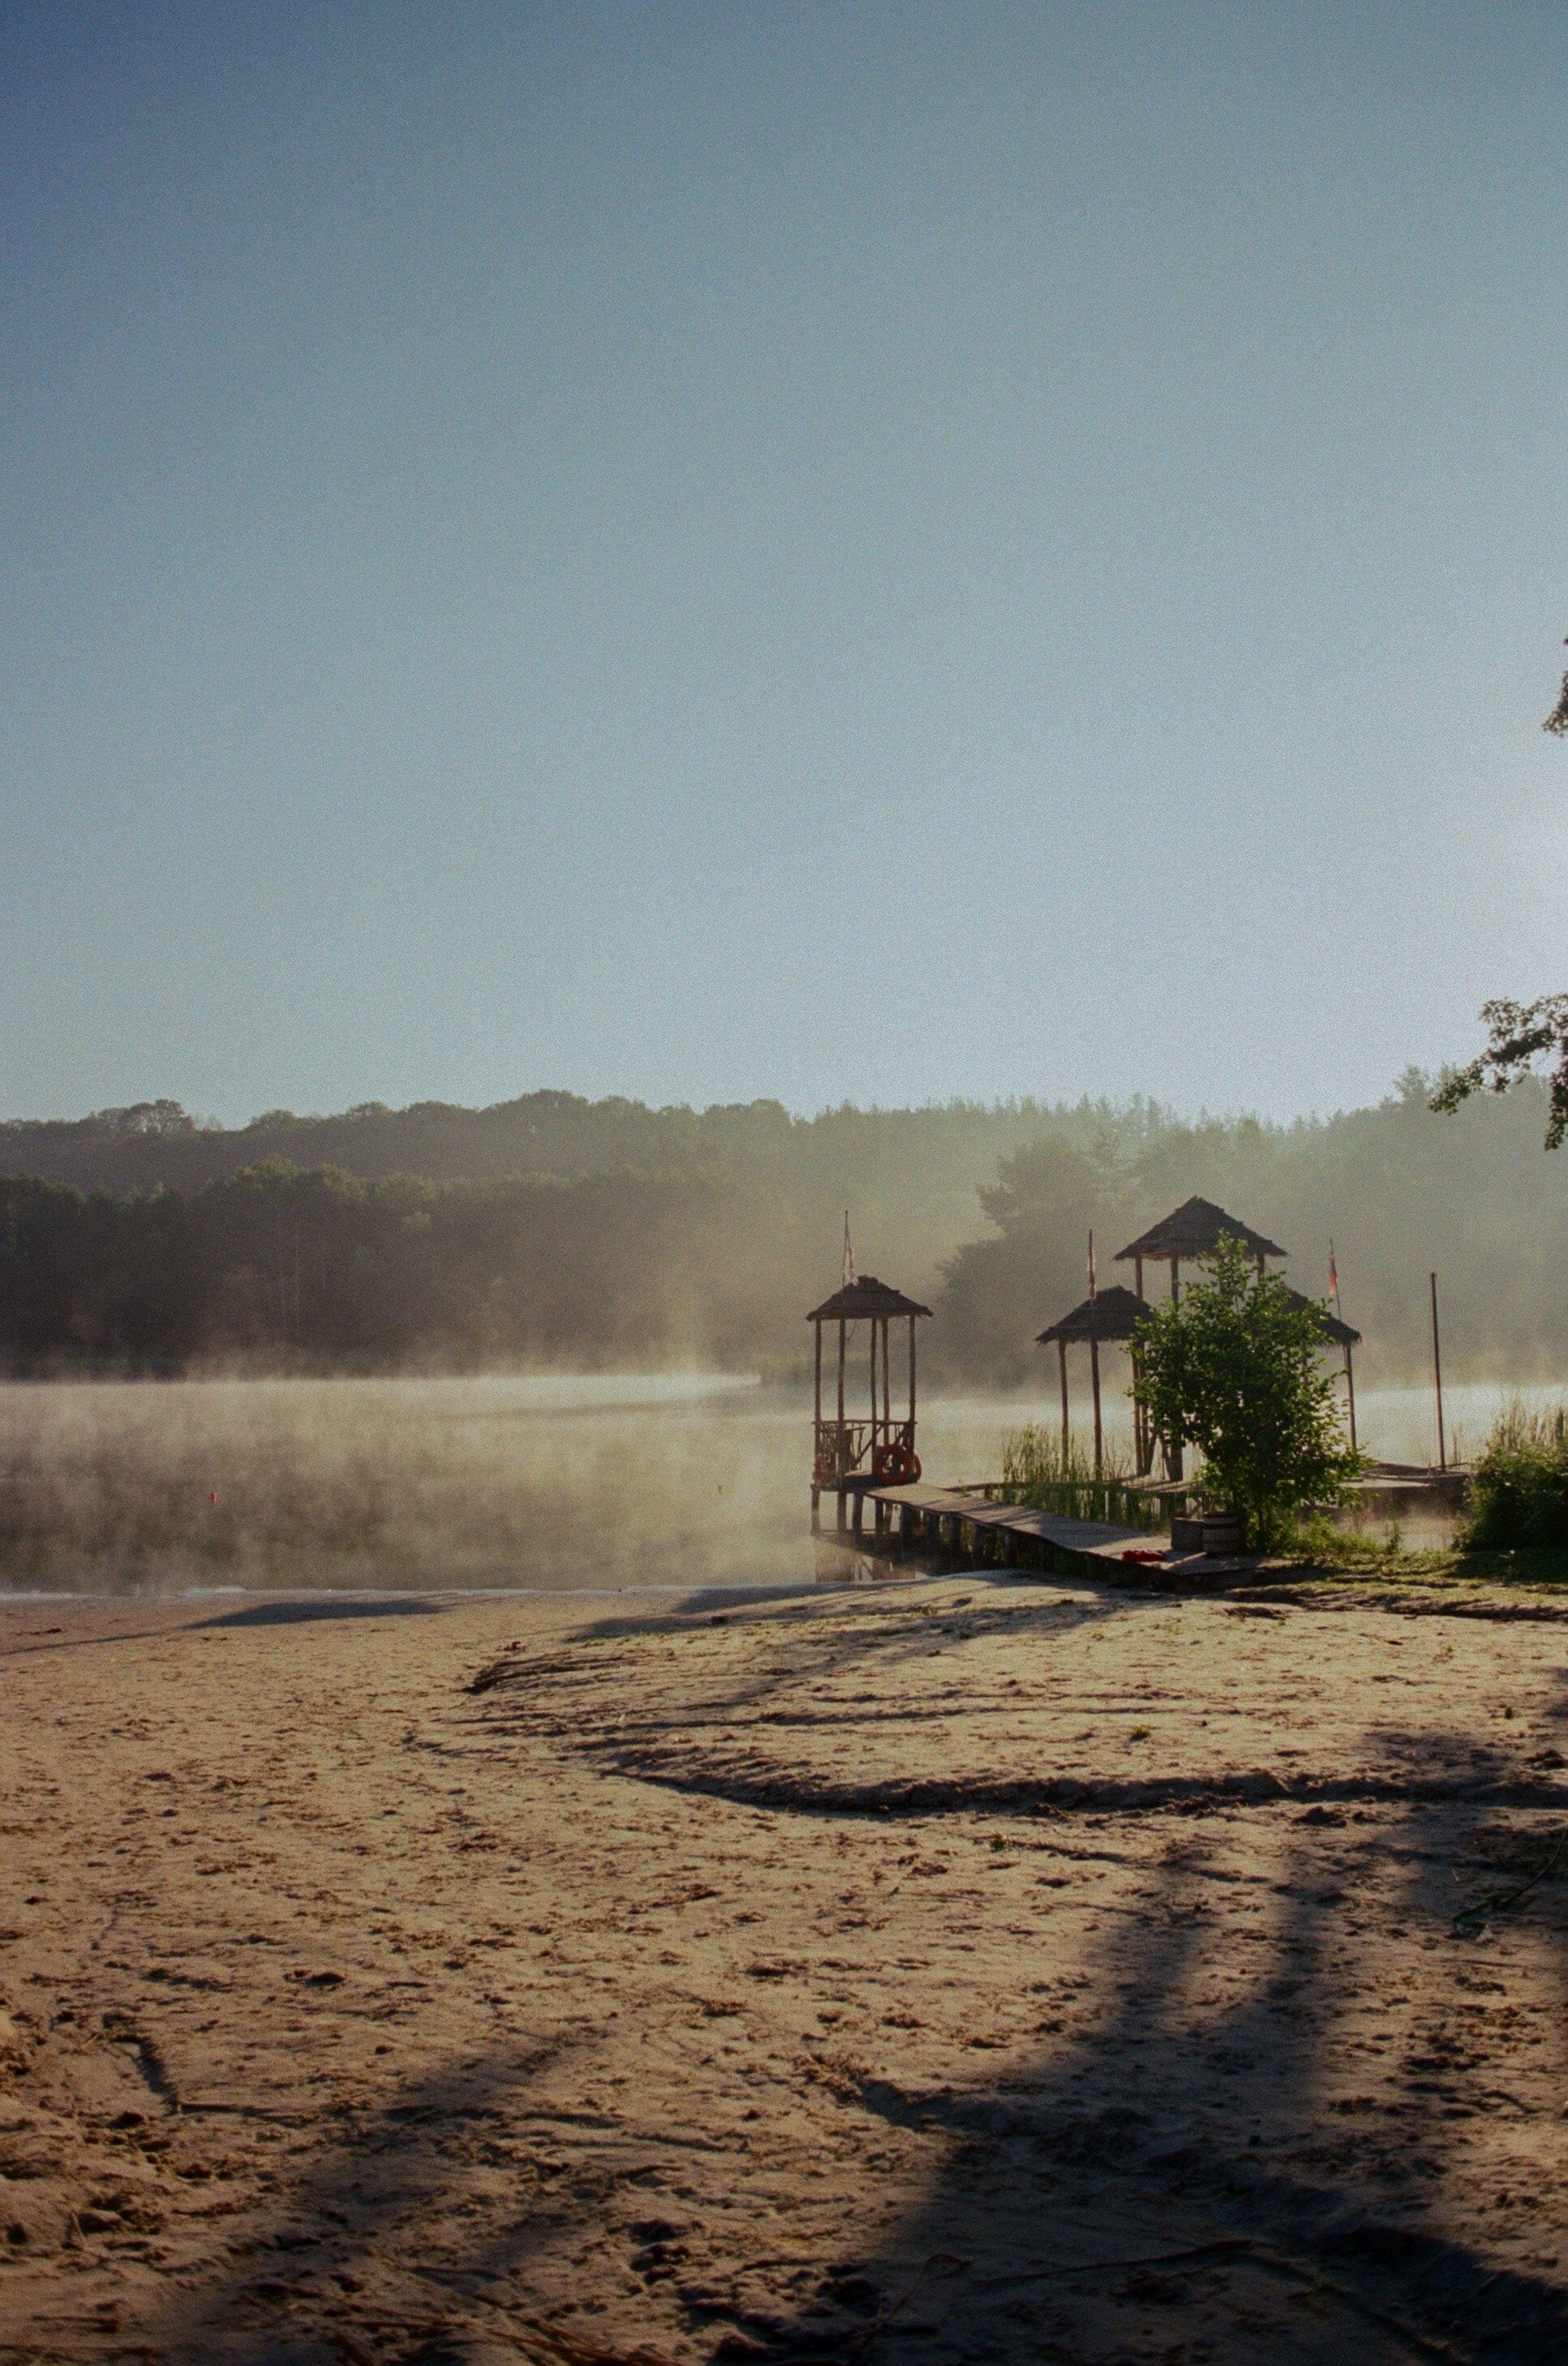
x: 1437, y: 1373
x: 1173, y: 1453
x: 1350, y: 1393
x: 817, y: 1433
x: 1061, y: 1352
x: 1138, y: 1277
x: 839, y: 1448
x: 1094, y: 1384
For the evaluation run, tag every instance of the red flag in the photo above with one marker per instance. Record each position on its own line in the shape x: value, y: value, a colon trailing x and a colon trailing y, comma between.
x: 1333, y: 1276
x: 1093, y: 1293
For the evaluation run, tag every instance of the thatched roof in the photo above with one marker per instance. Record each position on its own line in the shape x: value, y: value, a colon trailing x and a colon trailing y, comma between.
x: 1114, y: 1314
x: 864, y: 1301
x: 1192, y: 1230
x: 1339, y: 1334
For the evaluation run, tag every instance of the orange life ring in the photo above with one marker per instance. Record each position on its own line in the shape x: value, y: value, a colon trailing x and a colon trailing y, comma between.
x: 895, y: 1465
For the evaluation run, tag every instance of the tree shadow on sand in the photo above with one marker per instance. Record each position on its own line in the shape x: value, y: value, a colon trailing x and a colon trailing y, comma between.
x: 1107, y: 2207
x: 387, y: 2247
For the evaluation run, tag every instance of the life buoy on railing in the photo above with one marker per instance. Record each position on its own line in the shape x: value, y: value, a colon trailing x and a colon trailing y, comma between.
x: 895, y: 1465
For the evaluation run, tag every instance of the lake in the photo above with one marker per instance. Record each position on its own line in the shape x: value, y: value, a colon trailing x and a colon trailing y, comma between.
x: 544, y: 1482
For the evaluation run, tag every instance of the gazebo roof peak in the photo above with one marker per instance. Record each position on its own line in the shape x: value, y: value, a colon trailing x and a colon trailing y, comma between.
x: 1194, y: 1229
x: 866, y: 1299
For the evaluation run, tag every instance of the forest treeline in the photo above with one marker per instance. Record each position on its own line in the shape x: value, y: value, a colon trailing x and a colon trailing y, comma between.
x: 552, y: 1230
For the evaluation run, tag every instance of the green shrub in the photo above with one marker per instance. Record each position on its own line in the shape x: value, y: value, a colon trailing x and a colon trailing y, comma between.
x: 1518, y: 1496
x: 1233, y: 1369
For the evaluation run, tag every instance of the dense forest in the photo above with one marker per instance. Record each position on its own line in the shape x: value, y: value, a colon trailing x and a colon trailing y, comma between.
x: 554, y: 1230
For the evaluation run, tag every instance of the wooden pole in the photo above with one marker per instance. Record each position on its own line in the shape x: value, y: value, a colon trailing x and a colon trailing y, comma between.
x: 875, y: 1389
x: 1094, y: 1383
x: 1438, y: 1379
x: 1140, y: 1421
x: 817, y: 1430
x: 1350, y: 1393
x: 1061, y: 1351
x: 838, y: 1450
x: 887, y: 1378
x: 1173, y: 1453
x: 911, y: 1379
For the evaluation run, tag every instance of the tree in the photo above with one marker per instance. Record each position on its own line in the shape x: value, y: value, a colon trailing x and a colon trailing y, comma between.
x: 1519, y: 1032
x: 1233, y: 1368
x: 1557, y: 721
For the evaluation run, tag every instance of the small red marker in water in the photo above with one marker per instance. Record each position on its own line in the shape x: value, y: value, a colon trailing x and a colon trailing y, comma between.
x: 213, y: 1497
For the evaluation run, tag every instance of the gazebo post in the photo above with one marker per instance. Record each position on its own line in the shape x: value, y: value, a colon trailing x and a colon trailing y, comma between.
x: 1061, y: 1351
x: 817, y: 1433
x: 1174, y: 1450
x: 1094, y: 1384
x: 843, y: 1345
x: 912, y: 1378
x: 1350, y: 1393
x: 1138, y: 1424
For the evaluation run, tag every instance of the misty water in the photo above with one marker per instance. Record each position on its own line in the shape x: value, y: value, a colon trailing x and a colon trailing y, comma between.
x: 551, y: 1483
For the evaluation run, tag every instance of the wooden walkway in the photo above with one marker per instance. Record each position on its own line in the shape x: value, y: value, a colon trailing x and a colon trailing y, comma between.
x: 970, y: 1527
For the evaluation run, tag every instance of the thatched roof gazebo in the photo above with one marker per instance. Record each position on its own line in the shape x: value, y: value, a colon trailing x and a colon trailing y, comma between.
x: 851, y: 1455
x: 1112, y: 1315
x: 1193, y: 1230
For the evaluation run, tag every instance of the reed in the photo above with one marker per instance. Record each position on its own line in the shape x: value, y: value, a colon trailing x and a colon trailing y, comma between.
x: 1039, y: 1468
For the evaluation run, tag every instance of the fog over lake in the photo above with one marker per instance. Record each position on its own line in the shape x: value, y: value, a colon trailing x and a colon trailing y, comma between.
x: 556, y: 1483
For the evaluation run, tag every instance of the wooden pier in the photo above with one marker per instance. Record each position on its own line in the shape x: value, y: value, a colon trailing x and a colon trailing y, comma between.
x: 964, y: 1526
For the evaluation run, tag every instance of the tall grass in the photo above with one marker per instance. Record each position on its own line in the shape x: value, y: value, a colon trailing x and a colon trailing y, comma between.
x: 1518, y: 1495
x: 1041, y: 1470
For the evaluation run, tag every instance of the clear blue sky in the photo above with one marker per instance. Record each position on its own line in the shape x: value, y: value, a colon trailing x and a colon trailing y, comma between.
x: 843, y: 551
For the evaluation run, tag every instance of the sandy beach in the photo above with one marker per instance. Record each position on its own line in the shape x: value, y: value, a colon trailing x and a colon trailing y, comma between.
x: 955, y: 1969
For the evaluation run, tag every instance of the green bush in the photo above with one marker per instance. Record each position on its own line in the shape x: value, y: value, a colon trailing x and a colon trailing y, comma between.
x: 1233, y: 1369
x: 1518, y: 1496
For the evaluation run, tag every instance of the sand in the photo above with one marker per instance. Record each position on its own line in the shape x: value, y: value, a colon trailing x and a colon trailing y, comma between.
x: 956, y: 1969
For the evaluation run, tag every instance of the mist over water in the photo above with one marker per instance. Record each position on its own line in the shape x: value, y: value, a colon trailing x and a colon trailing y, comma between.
x: 553, y: 1483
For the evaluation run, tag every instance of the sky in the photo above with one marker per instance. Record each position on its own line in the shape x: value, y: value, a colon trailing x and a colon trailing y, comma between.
x: 857, y: 551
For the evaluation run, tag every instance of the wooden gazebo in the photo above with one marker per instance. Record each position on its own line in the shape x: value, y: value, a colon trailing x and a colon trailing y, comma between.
x: 1111, y: 1315
x: 1193, y: 1230
x: 851, y: 1454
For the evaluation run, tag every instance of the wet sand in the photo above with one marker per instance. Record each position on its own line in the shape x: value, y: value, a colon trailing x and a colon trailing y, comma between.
x: 943, y: 1970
